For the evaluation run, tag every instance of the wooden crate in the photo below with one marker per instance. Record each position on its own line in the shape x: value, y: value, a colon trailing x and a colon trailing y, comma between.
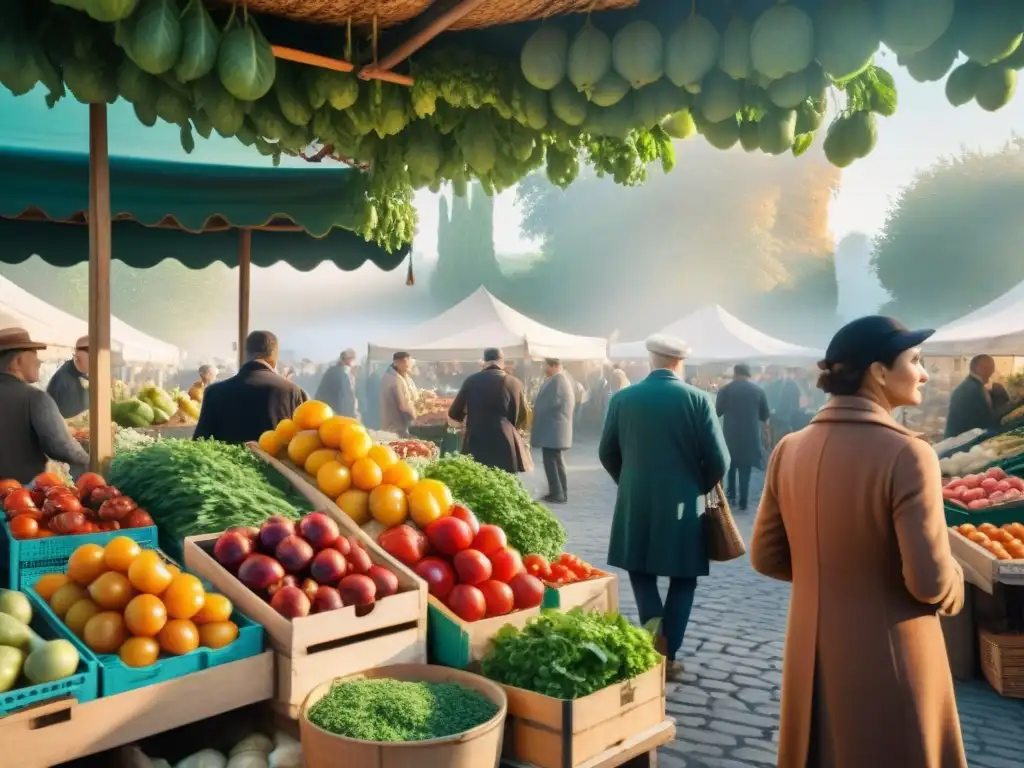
x: 453, y: 642
x: 639, y: 751
x: 551, y: 733
x: 62, y: 730
x: 600, y: 594
x: 1002, y: 661
x: 331, y: 644
x: 980, y: 567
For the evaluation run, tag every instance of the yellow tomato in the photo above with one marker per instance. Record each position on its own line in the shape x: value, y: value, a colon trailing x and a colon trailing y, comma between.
x: 388, y: 505
x: 332, y: 430
x: 401, y: 474
x: 366, y: 475
x: 303, y: 445
x: 49, y: 583
x: 318, y: 458
x: 119, y: 553
x: 383, y: 455
x: 439, y: 491
x: 311, y: 414
x: 356, y: 504
x: 286, y: 429
x: 333, y: 478
x: 356, y: 443
x: 139, y: 652
x: 423, y: 507
x: 271, y: 442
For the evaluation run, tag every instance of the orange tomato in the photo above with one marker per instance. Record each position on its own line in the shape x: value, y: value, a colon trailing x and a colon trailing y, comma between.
x: 388, y: 505
x: 271, y: 442
x: 355, y: 442
x: 145, y: 615
x: 402, y: 475
x: 149, y: 573
x: 178, y: 636
x: 173, y: 570
x: 439, y: 491
x: 423, y: 507
x: 105, y: 632
x: 49, y: 583
x: 184, y: 597
x: 217, y: 634
x: 356, y: 504
x: 112, y: 591
x: 318, y: 458
x: 65, y: 597
x: 79, y: 614
x: 216, y: 608
x: 139, y: 652
x: 24, y: 526
x: 86, y: 564
x: 383, y: 456
x: 333, y: 478
x: 286, y: 429
x: 332, y: 429
x: 45, y: 533
x: 311, y: 414
x: 120, y: 553
x: 366, y: 475
x: 303, y: 445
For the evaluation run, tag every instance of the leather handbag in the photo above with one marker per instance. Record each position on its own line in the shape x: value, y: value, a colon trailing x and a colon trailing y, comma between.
x: 722, y: 538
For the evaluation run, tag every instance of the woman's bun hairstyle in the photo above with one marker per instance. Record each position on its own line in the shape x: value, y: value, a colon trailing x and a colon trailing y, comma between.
x: 838, y: 379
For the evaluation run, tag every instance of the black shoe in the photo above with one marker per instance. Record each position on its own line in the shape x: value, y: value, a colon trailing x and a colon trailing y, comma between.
x: 549, y: 499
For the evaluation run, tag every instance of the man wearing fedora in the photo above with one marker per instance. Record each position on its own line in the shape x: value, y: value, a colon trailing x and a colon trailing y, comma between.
x: 69, y: 386
x: 33, y: 428
x: 663, y: 446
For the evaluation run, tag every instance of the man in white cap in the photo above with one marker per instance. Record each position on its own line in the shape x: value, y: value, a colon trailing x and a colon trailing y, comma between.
x: 663, y: 446
x: 69, y: 386
x: 338, y: 386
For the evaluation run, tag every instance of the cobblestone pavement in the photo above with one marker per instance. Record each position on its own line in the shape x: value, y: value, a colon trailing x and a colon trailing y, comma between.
x: 727, y: 708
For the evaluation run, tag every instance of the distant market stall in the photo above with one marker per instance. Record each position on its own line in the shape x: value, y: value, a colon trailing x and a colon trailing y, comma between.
x: 994, y: 329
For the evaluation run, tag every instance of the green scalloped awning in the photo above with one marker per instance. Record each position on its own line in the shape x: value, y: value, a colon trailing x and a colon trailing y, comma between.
x: 157, y: 191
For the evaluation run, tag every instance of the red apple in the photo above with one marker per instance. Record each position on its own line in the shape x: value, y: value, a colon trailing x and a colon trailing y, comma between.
x: 319, y: 530
x: 258, y: 572
x: 287, y: 581
x: 231, y: 549
x: 310, y: 587
x: 275, y: 530
x: 386, y: 581
x: 327, y: 599
x: 359, y: 560
x: 328, y: 566
x: 290, y: 602
x: 357, y: 589
x: 251, y: 532
x: 343, y: 545
x: 294, y: 553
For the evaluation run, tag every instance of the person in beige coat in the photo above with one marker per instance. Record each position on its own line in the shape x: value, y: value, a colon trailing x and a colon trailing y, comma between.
x: 852, y: 515
x: 398, y: 395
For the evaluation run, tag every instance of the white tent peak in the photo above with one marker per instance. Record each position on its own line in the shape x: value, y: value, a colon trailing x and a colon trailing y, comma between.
x: 995, y: 329
x: 480, y: 321
x: 716, y: 335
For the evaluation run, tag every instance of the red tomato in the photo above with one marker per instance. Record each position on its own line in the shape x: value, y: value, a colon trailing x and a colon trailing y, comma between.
x: 527, y: 590
x: 404, y: 543
x: 472, y: 566
x: 498, y: 596
x: 46, y: 480
x: 537, y: 565
x: 995, y: 473
x: 449, y: 535
x: 467, y: 602
x: 137, y: 518
x: 438, y: 574
x: 463, y: 513
x: 24, y: 526
x: 17, y: 500
x: 560, y: 574
x: 505, y: 564
x: 490, y: 539
x: 6, y: 486
x: 85, y: 484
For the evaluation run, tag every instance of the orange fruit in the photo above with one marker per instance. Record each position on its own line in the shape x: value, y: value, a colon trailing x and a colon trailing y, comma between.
x: 120, y: 552
x: 217, y: 634
x: 333, y: 478
x: 216, y: 608
x: 311, y: 414
x: 78, y: 614
x: 401, y: 474
x: 65, y: 597
x: 302, y: 446
x: 139, y: 652
x: 388, y: 505
x: 86, y: 564
x: 49, y: 583
x: 356, y: 504
x: 145, y: 615
x: 173, y: 570
x: 439, y: 491
x: 355, y: 442
x: 184, y: 597
x: 271, y: 442
x: 332, y: 429
x: 366, y: 475
x: 423, y: 507
x: 112, y: 591
x: 149, y: 573
x: 178, y: 636
x: 105, y: 632
x: 383, y: 456
x: 318, y: 458
x: 286, y: 429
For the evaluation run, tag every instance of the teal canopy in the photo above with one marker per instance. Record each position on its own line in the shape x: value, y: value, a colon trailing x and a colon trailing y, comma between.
x: 162, y: 198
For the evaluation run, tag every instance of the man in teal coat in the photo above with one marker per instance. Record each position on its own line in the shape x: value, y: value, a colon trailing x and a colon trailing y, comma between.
x: 663, y: 446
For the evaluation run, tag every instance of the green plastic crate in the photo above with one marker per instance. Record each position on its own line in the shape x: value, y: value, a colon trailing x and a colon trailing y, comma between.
x: 82, y: 686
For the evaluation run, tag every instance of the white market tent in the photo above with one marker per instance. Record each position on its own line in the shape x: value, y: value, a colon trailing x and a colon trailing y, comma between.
x: 60, y: 330
x: 995, y: 329
x: 480, y: 321
x: 714, y: 335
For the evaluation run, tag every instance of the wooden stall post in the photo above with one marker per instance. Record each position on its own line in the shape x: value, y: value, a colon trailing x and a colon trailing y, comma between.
x: 100, y: 438
x: 244, y: 274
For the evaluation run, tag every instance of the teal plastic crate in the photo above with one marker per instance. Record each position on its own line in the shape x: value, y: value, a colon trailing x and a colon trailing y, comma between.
x: 115, y: 677
x: 25, y: 561
x: 83, y: 685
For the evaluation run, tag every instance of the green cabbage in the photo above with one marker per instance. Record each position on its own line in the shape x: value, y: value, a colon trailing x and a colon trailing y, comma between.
x: 135, y: 85
x: 590, y: 57
x: 89, y: 82
x: 245, y: 62
x: 152, y: 35
x: 225, y: 112
x: 326, y: 86
x: 200, y: 40
x: 108, y: 10
x: 544, y: 58
x: 638, y: 53
x: 691, y: 51
x: 290, y: 97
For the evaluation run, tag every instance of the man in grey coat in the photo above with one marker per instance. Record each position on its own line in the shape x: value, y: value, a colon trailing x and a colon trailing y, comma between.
x: 743, y: 407
x: 552, y: 427
x: 338, y: 386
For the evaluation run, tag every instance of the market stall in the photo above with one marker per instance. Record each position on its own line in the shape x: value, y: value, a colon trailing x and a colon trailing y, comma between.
x: 995, y: 329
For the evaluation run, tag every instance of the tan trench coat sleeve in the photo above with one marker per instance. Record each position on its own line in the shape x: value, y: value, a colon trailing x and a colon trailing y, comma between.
x: 929, y: 570
x: 769, y: 544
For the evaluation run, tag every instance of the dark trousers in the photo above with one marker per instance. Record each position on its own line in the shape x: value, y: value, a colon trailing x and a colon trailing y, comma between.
x: 744, y: 481
x: 674, y: 612
x: 554, y: 468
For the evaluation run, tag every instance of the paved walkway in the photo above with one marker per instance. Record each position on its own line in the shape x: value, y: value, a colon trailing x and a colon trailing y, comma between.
x: 727, y: 709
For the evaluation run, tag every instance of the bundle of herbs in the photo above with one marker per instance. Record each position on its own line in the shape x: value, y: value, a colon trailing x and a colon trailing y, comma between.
x: 570, y: 655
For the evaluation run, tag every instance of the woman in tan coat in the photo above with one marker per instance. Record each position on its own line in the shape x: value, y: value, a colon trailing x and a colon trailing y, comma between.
x: 852, y: 516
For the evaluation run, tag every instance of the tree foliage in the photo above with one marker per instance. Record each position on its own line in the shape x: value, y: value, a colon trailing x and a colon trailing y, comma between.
x: 951, y: 241
x: 465, y: 248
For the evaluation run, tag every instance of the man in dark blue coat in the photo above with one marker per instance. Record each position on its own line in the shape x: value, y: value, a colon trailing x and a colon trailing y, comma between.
x: 663, y: 446
x: 743, y: 407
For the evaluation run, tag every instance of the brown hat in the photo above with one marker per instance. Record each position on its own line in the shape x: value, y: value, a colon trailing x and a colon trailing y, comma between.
x: 17, y: 339
x: 82, y: 344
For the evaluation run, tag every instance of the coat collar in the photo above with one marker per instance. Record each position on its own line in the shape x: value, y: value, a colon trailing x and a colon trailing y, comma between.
x: 854, y: 409
x: 664, y: 374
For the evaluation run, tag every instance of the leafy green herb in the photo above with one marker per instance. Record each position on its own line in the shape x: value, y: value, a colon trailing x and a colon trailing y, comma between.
x: 570, y: 655
x: 499, y: 498
x: 386, y: 710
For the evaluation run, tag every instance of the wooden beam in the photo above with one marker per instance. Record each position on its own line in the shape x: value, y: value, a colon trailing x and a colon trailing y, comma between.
x: 244, y: 276
x: 371, y: 73
x: 312, y: 59
x: 101, y: 447
x: 432, y: 22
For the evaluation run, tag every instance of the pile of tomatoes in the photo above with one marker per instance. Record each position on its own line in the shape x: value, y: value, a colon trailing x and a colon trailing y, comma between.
x: 566, y: 570
x: 467, y: 566
x: 125, y: 600
x: 1006, y: 543
x: 51, y: 508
